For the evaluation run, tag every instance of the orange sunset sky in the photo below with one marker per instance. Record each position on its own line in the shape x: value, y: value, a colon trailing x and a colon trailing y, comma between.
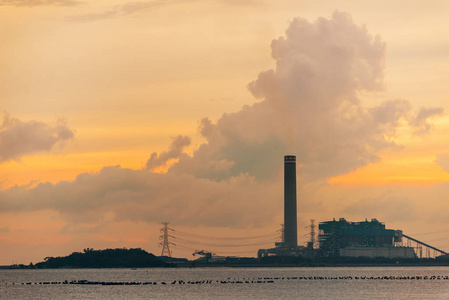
x: 116, y: 116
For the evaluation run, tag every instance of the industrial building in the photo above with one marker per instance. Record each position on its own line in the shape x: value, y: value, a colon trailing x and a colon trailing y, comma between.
x: 341, y: 238
x: 386, y: 251
x: 366, y: 238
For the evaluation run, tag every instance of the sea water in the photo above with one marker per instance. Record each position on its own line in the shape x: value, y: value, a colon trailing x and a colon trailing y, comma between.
x: 228, y: 283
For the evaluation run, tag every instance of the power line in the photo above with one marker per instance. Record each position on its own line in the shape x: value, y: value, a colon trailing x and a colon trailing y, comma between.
x: 190, y: 241
x: 226, y: 238
x: 224, y: 245
x: 184, y: 247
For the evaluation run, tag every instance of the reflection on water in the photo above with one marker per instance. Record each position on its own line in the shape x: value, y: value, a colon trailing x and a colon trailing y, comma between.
x: 226, y: 283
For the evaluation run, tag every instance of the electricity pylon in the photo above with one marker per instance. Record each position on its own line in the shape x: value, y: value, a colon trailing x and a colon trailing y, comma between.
x: 165, y: 244
x: 282, y: 233
x: 312, y: 233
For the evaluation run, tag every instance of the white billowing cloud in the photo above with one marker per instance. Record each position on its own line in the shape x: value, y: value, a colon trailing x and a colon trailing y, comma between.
x: 175, y: 150
x: 309, y: 107
x: 248, y: 142
x: 18, y: 138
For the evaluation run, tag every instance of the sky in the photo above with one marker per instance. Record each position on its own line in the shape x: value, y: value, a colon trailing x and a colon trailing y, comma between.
x: 117, y: 116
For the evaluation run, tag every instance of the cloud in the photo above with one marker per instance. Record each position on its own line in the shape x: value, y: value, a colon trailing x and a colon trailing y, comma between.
x: 129, y: 8
x: 135, y: 7
x: 32, y: 3
x: 176, y: 147
x: 421, y: 121
x: 308, y: 106
x: 150, y: 197
x: 19, y: 138
x: 443, y: 161
x: 249, y: 3
x: 384, y: 207
x: 388, y: 114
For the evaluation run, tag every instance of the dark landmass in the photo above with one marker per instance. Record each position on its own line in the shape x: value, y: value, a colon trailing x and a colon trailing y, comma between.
x: 290, y: 261
x: 138, y: 258
x: 340, y: 261
x: 109, y: 258
x: 174, y: 260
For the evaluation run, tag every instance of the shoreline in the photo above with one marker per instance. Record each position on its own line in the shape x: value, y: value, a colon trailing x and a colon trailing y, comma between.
x: 237, y: 266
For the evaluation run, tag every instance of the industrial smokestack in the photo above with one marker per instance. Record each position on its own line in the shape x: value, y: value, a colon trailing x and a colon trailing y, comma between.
x: 290, y: 226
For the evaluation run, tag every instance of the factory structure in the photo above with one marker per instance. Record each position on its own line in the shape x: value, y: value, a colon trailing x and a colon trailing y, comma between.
x: 367, y: 238
x: 336, y: 238
x: 341, y: 237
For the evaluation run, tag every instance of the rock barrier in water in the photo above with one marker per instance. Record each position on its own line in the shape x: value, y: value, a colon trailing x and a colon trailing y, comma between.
x: 258, y: 280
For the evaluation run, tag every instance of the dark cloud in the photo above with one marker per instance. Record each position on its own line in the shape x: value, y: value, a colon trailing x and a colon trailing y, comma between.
x: 19, y: 138
x: 31, y: 3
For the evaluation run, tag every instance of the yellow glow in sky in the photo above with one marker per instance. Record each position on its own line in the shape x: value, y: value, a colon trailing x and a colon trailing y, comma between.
x: 129, y: 77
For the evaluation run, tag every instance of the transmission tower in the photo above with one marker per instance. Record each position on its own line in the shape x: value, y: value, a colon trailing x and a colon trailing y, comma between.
x: 165, y: 243
x: 312, y: 233
x: 282, y: 233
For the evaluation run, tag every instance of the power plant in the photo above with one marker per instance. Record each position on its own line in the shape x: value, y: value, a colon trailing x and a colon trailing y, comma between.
x: 336, y: 238
x: 341, y: 238
x: 367, y: 238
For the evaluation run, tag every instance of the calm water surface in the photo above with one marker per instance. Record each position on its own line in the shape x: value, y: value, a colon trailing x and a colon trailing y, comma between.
x: 11, y: 286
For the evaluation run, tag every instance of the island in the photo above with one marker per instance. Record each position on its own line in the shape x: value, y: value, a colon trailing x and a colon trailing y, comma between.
x: 108, y: 258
